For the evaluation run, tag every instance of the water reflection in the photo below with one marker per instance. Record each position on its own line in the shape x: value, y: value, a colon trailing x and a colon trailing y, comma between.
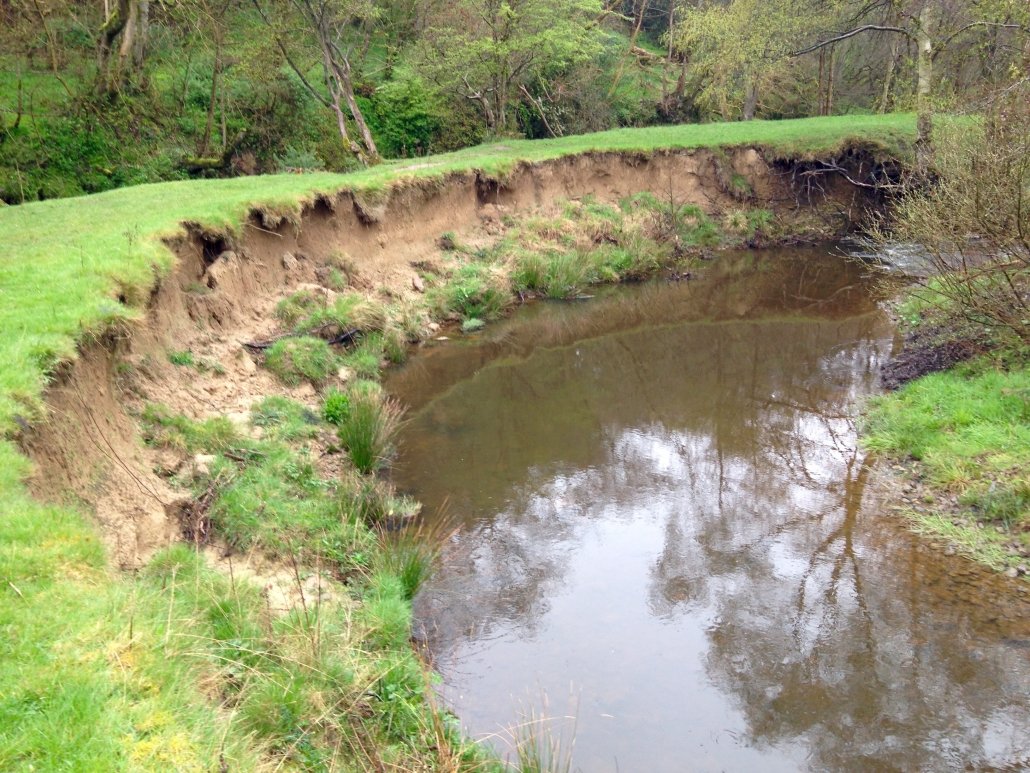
x: 663, y: 507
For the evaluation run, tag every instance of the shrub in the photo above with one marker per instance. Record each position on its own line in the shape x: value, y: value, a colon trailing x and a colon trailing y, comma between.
x: 294, y: 360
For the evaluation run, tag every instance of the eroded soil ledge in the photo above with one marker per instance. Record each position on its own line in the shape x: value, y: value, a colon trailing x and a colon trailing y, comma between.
x: 225, y: 287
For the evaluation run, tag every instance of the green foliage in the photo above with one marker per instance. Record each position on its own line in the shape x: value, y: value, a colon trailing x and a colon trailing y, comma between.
x: 279, y: 504
x: 285, y: 419
x: 349, y: 312
x: 166, y: 429
x: 489, y: 49
x: 182, y: 359
x: 406, y: 117
x: 294, y: 360
x: 336, y: 407
x: 747, y: 223
x: 298, y: 305
x: 299, y: 159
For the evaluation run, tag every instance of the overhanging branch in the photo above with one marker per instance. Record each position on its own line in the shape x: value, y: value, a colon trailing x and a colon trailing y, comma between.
x: 851, y: 34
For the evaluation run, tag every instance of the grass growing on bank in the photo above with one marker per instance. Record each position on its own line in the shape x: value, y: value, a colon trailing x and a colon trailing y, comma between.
x: 968, y: 432
x: 334, y: 682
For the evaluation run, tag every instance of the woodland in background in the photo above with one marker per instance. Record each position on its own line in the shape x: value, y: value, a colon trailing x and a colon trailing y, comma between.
x: 106, y: 93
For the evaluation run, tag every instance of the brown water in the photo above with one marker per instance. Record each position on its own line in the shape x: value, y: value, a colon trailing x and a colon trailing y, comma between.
x: 667, y: 531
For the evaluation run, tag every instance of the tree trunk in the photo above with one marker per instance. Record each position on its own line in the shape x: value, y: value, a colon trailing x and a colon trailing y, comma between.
x: 828, y: 101
x: 112, y: 27
x: 750, y: 97
x: 924, y: 78
x: 129, y: 35
x: 344, y: 74
x: 822, y: 77
x: 139, y: 50
x: 888, y: 78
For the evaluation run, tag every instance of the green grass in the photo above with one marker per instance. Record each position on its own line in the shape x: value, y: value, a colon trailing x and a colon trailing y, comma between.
x: 96, y: 670
x: 969, y: 431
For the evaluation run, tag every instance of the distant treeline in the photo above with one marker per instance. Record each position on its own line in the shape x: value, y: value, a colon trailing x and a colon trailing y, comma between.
x: 104, y: 93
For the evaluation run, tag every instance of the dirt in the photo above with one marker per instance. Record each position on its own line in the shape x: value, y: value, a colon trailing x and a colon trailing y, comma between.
x: 223, y: 291
x: 927, y: 350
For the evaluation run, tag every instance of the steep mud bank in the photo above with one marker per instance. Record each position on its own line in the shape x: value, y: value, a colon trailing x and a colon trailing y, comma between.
x: 225, y: 287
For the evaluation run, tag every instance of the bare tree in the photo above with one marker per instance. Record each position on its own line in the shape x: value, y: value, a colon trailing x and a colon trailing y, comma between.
x: 919, y: 23
x: 328, y: 23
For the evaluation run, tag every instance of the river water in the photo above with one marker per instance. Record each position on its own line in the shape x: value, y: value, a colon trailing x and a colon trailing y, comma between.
x: 668, y: 542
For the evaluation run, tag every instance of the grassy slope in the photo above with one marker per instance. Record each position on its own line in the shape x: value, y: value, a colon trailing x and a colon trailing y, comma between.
x: 74, y: 687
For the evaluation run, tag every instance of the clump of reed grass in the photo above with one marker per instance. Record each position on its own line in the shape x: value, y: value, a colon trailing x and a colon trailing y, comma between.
x: 370, y: 429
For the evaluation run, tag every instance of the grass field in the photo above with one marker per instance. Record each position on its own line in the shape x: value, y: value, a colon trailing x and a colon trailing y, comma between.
x: 90, y: 678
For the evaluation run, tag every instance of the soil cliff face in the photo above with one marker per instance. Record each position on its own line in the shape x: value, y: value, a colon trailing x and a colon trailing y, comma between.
x: 225, y: 287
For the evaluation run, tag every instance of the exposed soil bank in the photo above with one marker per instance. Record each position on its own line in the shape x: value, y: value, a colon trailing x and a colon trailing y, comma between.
x: 225, y: 287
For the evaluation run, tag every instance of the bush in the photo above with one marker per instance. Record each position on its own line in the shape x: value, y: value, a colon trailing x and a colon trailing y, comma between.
x: 405, y: 118
x: 294, y: 360
x: 972, y: 218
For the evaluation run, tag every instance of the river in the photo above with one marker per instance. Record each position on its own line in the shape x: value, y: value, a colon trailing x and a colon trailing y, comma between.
x: 668, y: 542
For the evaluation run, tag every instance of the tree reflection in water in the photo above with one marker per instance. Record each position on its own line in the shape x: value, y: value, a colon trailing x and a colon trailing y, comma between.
x: 674, y: 518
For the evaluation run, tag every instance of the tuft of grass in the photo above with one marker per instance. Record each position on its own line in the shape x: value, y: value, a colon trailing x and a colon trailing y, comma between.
x: 475, y: 290
x: 410, y: 553
x: 183, y: 359
x: 294, y: 360
x: 349, y: 312
x: 165, y: 429
x: 285, y: 419
x: 298, y: 305
x: 370, y: 430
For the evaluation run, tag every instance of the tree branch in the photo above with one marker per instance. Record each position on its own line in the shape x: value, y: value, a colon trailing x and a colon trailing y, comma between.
x: 960, y: 30
x: 852, y: 33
